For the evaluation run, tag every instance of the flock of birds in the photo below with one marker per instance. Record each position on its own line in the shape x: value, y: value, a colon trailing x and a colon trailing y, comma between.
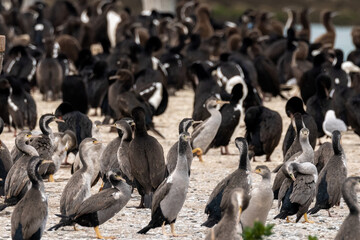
x: 97, y: 54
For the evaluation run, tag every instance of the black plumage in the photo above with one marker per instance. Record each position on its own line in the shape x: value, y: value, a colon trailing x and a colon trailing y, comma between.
x: 318, y: 104
x: 338, y: 76
x: 30, y: 214
x: 74, y: 92
x: 146, y: 157
x: 75, y: 121
x: 307, y: 83
x: 97, y: 85
x: 263, y: 130
x: 5, y: 161
x: 331, y: 178
x: 295, y: 105
x: 22, y: 106
x: 230, y: 117
x: 220, y: 196
x: 4, y: 96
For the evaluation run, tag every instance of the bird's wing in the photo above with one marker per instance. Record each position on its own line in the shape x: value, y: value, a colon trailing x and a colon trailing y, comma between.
x: 160, y: 194
x: 270, y: 131
x: 197, y: 130
x: 219, y: 189
x: 99, y: 201
x: 304, y: 189
x: 33, y: 218
x: 156, y: 163
x: 283, y: 189
x: 336, y: 179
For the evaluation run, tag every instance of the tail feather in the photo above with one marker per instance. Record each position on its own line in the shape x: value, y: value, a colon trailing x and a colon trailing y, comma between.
x: 152, y: 128
x: 148, y: 200
x: 210, y: 222
x: 314, y: 209
x: 281, y: 215
x: 3, y: 206
x: 65, y: 221
x: 145, y: 230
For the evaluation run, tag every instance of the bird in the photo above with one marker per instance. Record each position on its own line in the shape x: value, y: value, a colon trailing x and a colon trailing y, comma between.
x: 17, y: 180
x: 332, y: 123
x: 304, y: 154
x: 93, y: 154
x: 331, y: 178
x: 146, y: 157
x: 297, y: 193
x: 230, y: 117
x: 350, y: 228
x: 226, y: 228
x: 100, y: 207
x: 75, y: 121
x: 171, y: 157
x: 294, y: 105
x: 205, y: 132
x: 77, y: 188
x: 323, y: 155
x: 49, y: 73
x: 327, y: 38
x: 115, y: 155
x: 263, y: 130
x: 261, y: 200
x: 4, y: 96
x: 170, y: 196
x: 318, y: 104
x: 5, y: 160
x: 29, y: 217
x: 240, y: 178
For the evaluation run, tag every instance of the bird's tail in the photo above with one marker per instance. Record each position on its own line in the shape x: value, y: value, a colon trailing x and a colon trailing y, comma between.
x: 144, y: 230
x: 148, y: 200
x: 153, y: 129
x: 314, y: 209
x: 210, y: 222
x: 3, y: 206
x: 281, y: 215
x: 65, y: 221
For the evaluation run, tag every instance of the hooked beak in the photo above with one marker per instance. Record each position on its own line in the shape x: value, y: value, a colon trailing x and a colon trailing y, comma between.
x: 119, y: 178
x: 46, y: 161
x: 106, y: 125
x: 240, y: 211
x: 222, y: 102
x: 59, y: 120
x: 256, y: 171
x: 197, y: 122
x: 292, y: 177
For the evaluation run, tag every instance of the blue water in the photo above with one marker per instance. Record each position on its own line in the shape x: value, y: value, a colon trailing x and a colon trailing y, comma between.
x: 343, y: 36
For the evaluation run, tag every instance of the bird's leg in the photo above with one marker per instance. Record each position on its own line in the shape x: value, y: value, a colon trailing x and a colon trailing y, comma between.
x: 306, y: 219
x: 268, y: 158
x: 101, y: 187
x: 98, y: 234
x: 163, y: 229
x: 141, y: 205
x: 224, y: 150
x: 51, y: 178
x: 199, y: 153
x: 329, y: 212
x: 172, y: 226
x: 221, y: 151
x: 75, y: 229
x: 95, y: 113
x: 288, y: 220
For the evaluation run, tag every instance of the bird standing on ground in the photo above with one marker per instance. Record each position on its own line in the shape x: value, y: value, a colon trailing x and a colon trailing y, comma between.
x: 331, y: 178
x: 350, y: 228
x: 226, y: 228
x: 100, y: 207
x: 220, y: 196
x: 146, y: 157
x: 205, y: 132
x: 30, y: 214
x: 171, y: 194
x: 5, y: 160
x: 261, y: 200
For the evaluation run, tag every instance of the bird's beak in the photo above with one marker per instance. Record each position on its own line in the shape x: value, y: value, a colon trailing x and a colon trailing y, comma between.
x: 34, y: 136
x: 120, y: 178
x: 256, y: 171
x: 106, y: 125
x: 58, y: 120
x: 222, y: 102
x: 240, y: 211
x: 132, y: 124
x: 197, y: 122
x: 96, y: 142
x: 46, y: 161
x: 292, y: 177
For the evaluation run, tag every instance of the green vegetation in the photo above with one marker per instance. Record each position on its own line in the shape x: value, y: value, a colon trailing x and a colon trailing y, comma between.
x: 312, y: 238
x: 257, y: 232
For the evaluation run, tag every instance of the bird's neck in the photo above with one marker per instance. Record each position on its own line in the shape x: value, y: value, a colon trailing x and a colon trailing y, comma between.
x: 182, y: 163
x: 243, y: 160
x: 27, y: 149
x: 351, y: 200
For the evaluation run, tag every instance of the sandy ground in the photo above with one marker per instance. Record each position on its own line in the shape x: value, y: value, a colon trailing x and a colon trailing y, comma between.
x: 203, y: 179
